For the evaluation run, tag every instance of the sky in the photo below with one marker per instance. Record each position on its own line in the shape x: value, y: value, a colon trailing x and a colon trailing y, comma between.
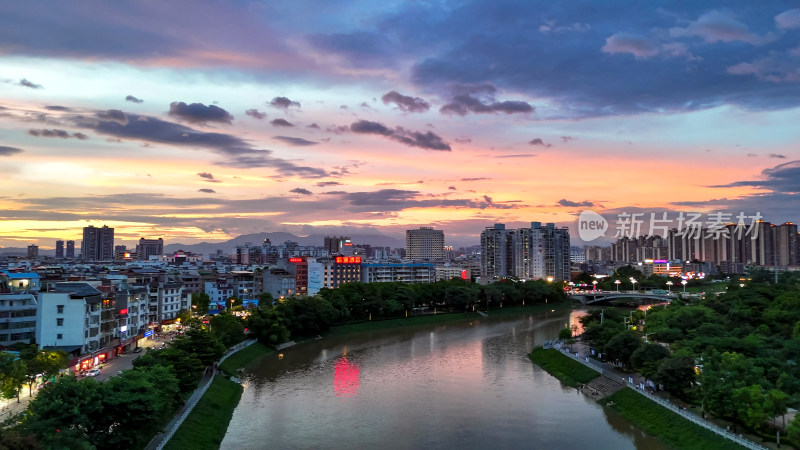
x: 202, y: 121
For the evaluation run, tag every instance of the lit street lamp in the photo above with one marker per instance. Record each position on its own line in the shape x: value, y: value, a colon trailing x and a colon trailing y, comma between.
x: 683, y: 282
x: 669, y: 287
x: 595, y: 285
x: 633, y: 283
x: 617, y: 282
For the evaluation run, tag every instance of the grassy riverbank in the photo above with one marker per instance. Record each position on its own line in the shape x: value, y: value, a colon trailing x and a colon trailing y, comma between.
x: 571, y: 373
x: 431, y: 319
x: 243, y: 358
x: 670, y: 428
x: 206, y: 425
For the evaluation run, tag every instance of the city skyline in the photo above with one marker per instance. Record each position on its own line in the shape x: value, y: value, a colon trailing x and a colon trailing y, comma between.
x: 202, y: 122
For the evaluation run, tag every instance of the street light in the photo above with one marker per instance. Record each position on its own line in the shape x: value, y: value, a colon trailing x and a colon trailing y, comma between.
x: 617, y: 282
x: 633, y: 283
x: 669, y: 287
x: 683, y: 282
x: 595, y: 285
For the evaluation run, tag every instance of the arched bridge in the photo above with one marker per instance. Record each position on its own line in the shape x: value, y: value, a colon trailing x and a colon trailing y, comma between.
x: 589, y: 297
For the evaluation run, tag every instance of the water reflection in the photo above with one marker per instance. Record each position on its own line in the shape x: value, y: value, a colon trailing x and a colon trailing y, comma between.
x: 345, y: 378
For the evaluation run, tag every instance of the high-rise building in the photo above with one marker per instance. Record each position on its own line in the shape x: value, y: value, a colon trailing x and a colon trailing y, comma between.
x: 33, y: 251
x: 149, y: 247
x: 786, y: 244
x: 70, y: 250
x: 98, y: 244
x: 425, y: 244
x: 538, y: 252
x: 763, y: 246
x: 334, y: 244
x: 59, y: 249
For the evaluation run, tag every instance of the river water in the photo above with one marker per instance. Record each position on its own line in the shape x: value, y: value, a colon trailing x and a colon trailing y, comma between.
x: 457, y: 385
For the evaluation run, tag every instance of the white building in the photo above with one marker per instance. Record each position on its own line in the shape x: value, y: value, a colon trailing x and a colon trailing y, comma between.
x: 69, y: 317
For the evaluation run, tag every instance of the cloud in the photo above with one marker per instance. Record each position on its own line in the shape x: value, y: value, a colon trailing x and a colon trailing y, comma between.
x: 208, y: 177
x: 283, y: 103
x: 637, y: 45
x: 480, y: 99
x: 475, y: 179
x: 25, y: 83
x: 55, y: 133
x: 427, y: 140
x: 718, y: 26
x: 517, y: 155
x: 207, y: 191
x: 783, y: 178
x: 256, y: 114
x: 9, y: 151
x: 281, y: 123
x: 199, y: 113
x: 788, y: 19
x: 398, y: 199
x: 57, y: 108
x: 301, y: 191
x: 565, y: 139
x: 539, y: 141
x: 133, y: 99
x: 328, y: 183
x: 114, y: 115
x: 463, y: 140
x: 776, y: 155
x: 295, y: 141
x: 235, y: 151
x: 406, y: 103
x: 314, y: 125
x: 567, y: 203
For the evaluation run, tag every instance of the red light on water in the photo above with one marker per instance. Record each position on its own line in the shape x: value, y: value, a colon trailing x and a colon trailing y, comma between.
x: 345, y: 378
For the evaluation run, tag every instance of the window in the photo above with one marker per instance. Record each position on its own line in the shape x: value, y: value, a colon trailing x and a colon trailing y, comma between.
x: 59, y: 336
x: 60, y: 309
x: 60, y: 322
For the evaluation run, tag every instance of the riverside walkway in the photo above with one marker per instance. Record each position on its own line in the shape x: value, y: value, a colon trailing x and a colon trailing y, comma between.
x: 636, y: 383
x: 160, y: 440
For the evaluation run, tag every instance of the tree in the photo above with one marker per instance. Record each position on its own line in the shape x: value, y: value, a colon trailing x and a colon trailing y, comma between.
x: 200, y: 344
x: 754, y: 405
x: 565, y: 334
x: 265, y: 299
x: 228, y: 328
x: 676, y: 374
x: 622, y: 346
x: 200, y: 301
x: 647, y: 358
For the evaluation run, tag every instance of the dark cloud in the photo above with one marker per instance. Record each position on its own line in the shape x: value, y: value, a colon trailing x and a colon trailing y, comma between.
x: 783, y: 179
x: 281, y: 123
x: 55, y: 133
x: 539, y: 141
x: 114, y: 115
x: 475, y: 179
x: 565, y: 202
x: 480, y: 99
x: 328, y: 183
x: 57, y: 108
x: 25, y: 83
x: 398, y: 199
x: 301, y: 191
x: 517, y: 155
x: 283, y: 103
x: 405, y: 102
x: 776, y: 155
x: 452, y: 188
x: 314, y: 125
x: 566, y: 139
x: 208, y: 177
x: 295, y: 141
x: 427, y: 140
x: 207, y: 191
x: 463, y: 140
x: 199, y: 113
x: 133, y: 99
x: 8, y: 151
x: 256, y: 114
x: 236, y: 151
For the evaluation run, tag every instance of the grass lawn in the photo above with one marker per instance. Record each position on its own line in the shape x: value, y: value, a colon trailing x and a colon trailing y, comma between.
x: 670, y: 428
x: 571, y: 373
x: 243, y: 357
x: 206, y: 425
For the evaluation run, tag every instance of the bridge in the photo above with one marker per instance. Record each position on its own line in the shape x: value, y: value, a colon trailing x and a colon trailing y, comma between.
x: 590, y: 297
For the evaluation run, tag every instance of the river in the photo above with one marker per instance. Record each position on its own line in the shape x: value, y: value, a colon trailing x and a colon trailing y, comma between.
x: 456, y: 385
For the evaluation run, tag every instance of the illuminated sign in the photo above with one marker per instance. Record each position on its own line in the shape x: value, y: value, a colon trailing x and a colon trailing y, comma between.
x: 463, y: 274
x: 660, y: 261
x: 123, y: 328
x: 148, y: 333
x: 295, y: 260
x: 123, y: 311
x: 348, y: 260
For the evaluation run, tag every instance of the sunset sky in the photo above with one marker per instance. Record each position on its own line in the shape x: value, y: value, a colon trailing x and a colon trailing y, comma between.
x: 201, y: 121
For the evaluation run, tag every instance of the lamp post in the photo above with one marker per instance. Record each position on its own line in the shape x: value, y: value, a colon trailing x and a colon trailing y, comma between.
x: 633, y: 283
x: 617, y: 282
x: 669, y: 287
x: 594, y: 288
x: 683, y: 282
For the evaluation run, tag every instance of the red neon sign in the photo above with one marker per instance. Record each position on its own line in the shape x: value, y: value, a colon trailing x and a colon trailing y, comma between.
x: 348, y: 260
x: 463, y: 274
x: 295, y: 260
x: 123, y: 311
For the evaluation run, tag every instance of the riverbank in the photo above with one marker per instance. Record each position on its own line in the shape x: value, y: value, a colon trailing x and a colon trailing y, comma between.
x: 569, y: 372
x: 206, y: 425
x: 668, y: 427
x: 431, y: 319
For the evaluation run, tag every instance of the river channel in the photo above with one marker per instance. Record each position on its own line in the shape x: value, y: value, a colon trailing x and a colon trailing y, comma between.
x: 456, y: 385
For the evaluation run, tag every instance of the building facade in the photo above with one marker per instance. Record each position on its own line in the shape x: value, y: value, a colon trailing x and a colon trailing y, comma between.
x: 97, y: 244
x: 425, y: 244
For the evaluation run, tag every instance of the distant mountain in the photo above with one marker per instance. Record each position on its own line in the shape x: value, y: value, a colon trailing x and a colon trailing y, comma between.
x: 23, y: 251
x: 276, y: 238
